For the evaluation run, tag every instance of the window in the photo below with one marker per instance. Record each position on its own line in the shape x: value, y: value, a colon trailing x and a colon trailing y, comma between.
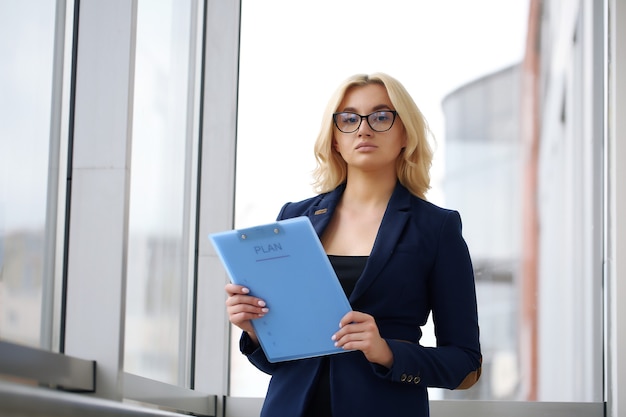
x: 32, y: 149
x: 477, y: 109
x: 108, y: 81
x: 444, y: 62
x: 164, y: 177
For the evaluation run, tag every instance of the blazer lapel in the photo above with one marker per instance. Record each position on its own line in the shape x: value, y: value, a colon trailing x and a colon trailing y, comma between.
x: 321, y: 213
x: 394, y: 220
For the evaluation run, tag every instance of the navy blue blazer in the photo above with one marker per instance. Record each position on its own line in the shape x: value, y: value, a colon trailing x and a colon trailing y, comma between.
x: 419, y: 264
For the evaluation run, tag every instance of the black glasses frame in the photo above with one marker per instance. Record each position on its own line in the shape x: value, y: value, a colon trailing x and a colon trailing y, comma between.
x: 366, y: 117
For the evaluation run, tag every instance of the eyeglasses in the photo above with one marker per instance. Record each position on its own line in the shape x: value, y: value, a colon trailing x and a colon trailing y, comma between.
x: 379, y: 121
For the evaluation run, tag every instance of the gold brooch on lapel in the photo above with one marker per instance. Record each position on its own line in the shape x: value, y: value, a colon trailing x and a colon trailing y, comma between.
x: 320, y: 211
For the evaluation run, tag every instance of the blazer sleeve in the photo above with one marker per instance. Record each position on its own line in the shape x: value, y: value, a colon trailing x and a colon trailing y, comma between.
x: 256, y: 355
x: 455, y: 362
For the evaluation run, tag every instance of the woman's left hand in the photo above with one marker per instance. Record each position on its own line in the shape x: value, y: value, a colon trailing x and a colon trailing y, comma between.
x: 358, y: 331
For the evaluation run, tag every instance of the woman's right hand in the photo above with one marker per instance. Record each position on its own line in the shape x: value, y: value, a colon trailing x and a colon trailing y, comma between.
x: 242, y: 308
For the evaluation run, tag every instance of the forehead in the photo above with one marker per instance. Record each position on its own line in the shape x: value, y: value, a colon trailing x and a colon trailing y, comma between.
x: 365, y: 98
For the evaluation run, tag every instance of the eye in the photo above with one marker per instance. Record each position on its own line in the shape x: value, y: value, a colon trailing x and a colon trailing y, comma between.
x: 349, y: 118
x: 382, y: 116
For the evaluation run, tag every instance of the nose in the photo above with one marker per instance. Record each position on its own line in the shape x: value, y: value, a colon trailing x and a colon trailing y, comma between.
x: 364, y: 128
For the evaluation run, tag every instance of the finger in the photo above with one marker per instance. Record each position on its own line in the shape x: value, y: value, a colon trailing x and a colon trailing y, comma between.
x: 361, y: 331
x: 346, y: 334
x: 351, y: 341
x: 344, y: 329
x: 239, y: 316
x: 243, y: 320
x: 233, y: 289
x: 242, y: 317
x: 354, y: 317
x: 356, y: 327
x: 247, y: 300
x: 347, y: 318
x: 246, y: 307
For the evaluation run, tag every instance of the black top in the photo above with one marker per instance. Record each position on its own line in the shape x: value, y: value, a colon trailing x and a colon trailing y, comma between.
x: 348, y: 270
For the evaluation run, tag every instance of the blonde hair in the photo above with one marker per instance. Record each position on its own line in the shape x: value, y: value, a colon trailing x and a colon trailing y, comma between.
x: 413, y: 164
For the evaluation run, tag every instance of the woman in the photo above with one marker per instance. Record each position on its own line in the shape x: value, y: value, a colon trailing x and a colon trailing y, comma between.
x: 398, y: 258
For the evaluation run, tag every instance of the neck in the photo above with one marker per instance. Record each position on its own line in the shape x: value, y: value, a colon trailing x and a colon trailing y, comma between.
x: 370, y: 190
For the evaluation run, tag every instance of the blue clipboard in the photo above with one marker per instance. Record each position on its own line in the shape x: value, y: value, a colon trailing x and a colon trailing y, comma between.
x: 285, y: 264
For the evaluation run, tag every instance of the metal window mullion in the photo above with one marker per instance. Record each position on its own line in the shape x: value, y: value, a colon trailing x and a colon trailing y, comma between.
x: 55, y: 172
x: 614, y: 222
x: 217, y: 189
x: 190, y: 195
x: 594, y: 73
x: 100, y: 172
x: 194, y: 124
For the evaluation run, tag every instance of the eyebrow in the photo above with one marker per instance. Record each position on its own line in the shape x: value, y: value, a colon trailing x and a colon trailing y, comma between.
x: 375, y: 108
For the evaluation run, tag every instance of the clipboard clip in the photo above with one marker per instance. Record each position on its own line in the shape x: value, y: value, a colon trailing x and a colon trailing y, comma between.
x: 259, y: 232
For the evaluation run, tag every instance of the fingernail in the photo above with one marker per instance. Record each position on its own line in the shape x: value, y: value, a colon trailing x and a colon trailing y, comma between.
x: 245, y: 290
x: 265, y: 310
x: 333, y: 338
x: 262, y: 303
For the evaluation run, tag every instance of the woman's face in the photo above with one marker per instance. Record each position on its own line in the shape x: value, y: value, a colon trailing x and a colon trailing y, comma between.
x: 367, y: 149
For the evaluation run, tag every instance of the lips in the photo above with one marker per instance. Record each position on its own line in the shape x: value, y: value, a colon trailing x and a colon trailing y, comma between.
x: 365, y: 145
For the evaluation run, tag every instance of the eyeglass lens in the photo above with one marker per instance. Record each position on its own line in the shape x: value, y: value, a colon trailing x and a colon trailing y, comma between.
x: 379, y: 121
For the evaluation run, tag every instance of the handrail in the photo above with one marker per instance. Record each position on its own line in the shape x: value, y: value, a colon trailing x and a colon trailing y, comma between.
x: 47, y: 368
x: 36, y: 370
x: 172, y: 397
x: 16, y: 399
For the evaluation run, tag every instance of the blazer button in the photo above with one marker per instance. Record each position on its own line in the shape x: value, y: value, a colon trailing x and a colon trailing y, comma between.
x: 403, y: 377
x: 409, y: 378
x: 416, y: 380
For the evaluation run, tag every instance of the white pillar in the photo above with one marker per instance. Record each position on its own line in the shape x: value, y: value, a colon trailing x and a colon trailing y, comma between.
x: 99, y: 189
x: 616, y: 222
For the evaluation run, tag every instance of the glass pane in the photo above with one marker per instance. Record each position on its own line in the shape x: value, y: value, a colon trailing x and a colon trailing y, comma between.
x: 484, y: 164
x: 27, y: 194
x: 462, y: 62
x: 162, y: 201
x: 426, y: 55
